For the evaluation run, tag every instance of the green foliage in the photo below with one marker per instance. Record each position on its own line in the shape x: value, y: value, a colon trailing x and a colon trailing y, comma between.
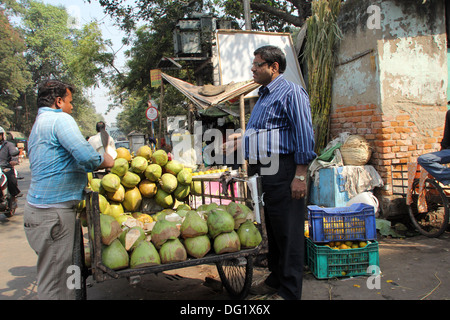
x: 323, y: 37
x: 14, y: 76
x: 45, y: 47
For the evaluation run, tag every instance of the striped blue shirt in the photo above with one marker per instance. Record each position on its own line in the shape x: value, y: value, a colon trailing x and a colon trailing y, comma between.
x: 280, y: 123
x: 59, y: 158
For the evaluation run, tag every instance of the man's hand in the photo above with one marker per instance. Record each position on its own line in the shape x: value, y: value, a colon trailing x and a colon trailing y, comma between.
x: 108, y: 161
x: 298, y: 188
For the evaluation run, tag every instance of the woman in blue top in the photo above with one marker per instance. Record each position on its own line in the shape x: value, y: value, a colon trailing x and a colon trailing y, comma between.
x: 59, y: 157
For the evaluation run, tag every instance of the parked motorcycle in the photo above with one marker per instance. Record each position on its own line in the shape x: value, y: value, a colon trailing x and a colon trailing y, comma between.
x: 8, y: 204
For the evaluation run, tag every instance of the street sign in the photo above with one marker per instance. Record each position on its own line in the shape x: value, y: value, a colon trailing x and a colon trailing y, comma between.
x: 155, y: 77
x: 151, y: 113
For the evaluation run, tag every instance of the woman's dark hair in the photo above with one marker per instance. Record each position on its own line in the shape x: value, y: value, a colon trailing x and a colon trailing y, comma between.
x: 272, y: 54
x: 100, y: 125
x: 49, y: 90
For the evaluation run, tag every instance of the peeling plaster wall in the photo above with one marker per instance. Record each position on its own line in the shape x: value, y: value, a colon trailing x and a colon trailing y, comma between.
x: 390, y: 84
x: 408, y: 60
x: 412, y: 58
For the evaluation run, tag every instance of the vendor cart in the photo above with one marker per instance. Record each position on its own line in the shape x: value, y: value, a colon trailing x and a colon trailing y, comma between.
x: 235, y: 269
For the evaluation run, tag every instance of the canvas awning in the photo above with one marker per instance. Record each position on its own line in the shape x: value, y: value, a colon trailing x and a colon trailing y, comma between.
x: 231, y: 91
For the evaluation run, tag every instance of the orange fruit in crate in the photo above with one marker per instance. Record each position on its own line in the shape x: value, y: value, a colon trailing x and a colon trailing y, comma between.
x: 343, y: 246
x: 362, y: 244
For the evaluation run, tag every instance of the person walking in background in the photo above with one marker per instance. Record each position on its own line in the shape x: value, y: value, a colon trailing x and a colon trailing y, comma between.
x: 102, y: 141
x: 59, y: 158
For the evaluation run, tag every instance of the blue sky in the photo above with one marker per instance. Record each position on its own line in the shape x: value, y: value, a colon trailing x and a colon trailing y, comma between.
x: 85, y: 13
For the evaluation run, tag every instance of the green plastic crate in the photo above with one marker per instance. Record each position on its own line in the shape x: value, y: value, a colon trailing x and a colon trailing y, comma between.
x: 326, y: 263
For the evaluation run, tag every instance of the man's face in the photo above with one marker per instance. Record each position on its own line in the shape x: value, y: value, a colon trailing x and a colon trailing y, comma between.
x: 263, y: 73
x: 65, y: 104
x: 2, y: 136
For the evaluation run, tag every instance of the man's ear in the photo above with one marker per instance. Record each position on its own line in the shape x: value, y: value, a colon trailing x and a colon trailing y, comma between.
x: 276, y: 67
x: 58, y: 102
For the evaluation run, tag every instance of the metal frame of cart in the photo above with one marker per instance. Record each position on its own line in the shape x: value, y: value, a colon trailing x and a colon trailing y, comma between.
x: 235, y: 269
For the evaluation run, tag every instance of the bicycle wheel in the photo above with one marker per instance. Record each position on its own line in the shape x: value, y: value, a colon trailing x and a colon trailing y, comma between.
x: 434, y: 221
x: 236, y: 275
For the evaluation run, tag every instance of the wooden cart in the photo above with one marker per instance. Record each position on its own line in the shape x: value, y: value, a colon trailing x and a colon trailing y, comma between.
x: 235, y: 269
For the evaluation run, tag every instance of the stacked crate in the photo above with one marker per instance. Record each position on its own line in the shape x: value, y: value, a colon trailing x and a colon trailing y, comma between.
x: 327, y: 253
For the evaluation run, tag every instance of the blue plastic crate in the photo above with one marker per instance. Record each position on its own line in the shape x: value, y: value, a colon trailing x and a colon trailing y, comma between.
x: 326, y: 263
x: 356, y: 222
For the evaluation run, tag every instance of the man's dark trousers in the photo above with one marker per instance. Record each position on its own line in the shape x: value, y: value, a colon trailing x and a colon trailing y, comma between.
x: 284, y: 219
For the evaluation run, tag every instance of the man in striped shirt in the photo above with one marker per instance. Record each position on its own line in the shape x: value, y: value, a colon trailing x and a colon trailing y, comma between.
x: 59, y: 159
x: 279, y: 145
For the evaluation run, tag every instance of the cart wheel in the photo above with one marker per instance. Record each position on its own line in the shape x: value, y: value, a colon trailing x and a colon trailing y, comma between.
x: 433, y: 222
x: 236, y: 275
x: 78, y: 260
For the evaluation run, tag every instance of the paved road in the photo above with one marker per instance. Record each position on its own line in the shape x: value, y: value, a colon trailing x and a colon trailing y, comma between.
x: 412, y: 269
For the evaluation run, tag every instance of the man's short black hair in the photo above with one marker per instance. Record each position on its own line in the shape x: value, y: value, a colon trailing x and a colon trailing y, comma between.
x: 272, y: 54
x: 50, y: 90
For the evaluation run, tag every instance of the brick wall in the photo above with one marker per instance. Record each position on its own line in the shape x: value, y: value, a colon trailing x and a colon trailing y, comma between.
x: 395, y: 139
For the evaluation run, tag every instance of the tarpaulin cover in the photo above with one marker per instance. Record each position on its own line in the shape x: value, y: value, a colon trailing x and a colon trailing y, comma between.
x: 232, y: 91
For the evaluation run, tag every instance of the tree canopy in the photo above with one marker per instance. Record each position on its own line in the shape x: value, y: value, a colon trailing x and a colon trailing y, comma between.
x: 151, y: 24
x: 44, y: 45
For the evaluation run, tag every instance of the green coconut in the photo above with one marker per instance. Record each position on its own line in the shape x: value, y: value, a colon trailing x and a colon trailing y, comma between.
x: 103, y: 204
x: 239, y: 212
x: 168, y: 182
x: 164, y: 199
x: 160, y: 157
x: 144, y: 255
x: 120, y: 167
x: 227, y: 242
x: 132, y: 237
x: 147, y: 188
x: 162, y: 231
x: 110, y: 229
x: 219, y: 221
x: 193, y: 225
x: 197, y: 247
x: 183, y: 206
x: 132, y: 200
x: 196, y: 188
x: 145, y: 152
x: 111, y: 182
x: 115, y: 209
x: 249, y: 235
x: 184, y: 177
x: 130, y: 179
x: 118, y: 195
x: 172, y: 251
x: 138, y: 164
x: 173, y: 167
x: 182, y: 191
x: 153, y: 172
x: 95, y: 184
x: 114, y: 256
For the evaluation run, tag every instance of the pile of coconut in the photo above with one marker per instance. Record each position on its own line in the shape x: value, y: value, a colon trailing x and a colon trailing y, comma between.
x: 178, y: 235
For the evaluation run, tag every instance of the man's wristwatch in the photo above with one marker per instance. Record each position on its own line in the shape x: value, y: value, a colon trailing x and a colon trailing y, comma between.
x: 301, y: 178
